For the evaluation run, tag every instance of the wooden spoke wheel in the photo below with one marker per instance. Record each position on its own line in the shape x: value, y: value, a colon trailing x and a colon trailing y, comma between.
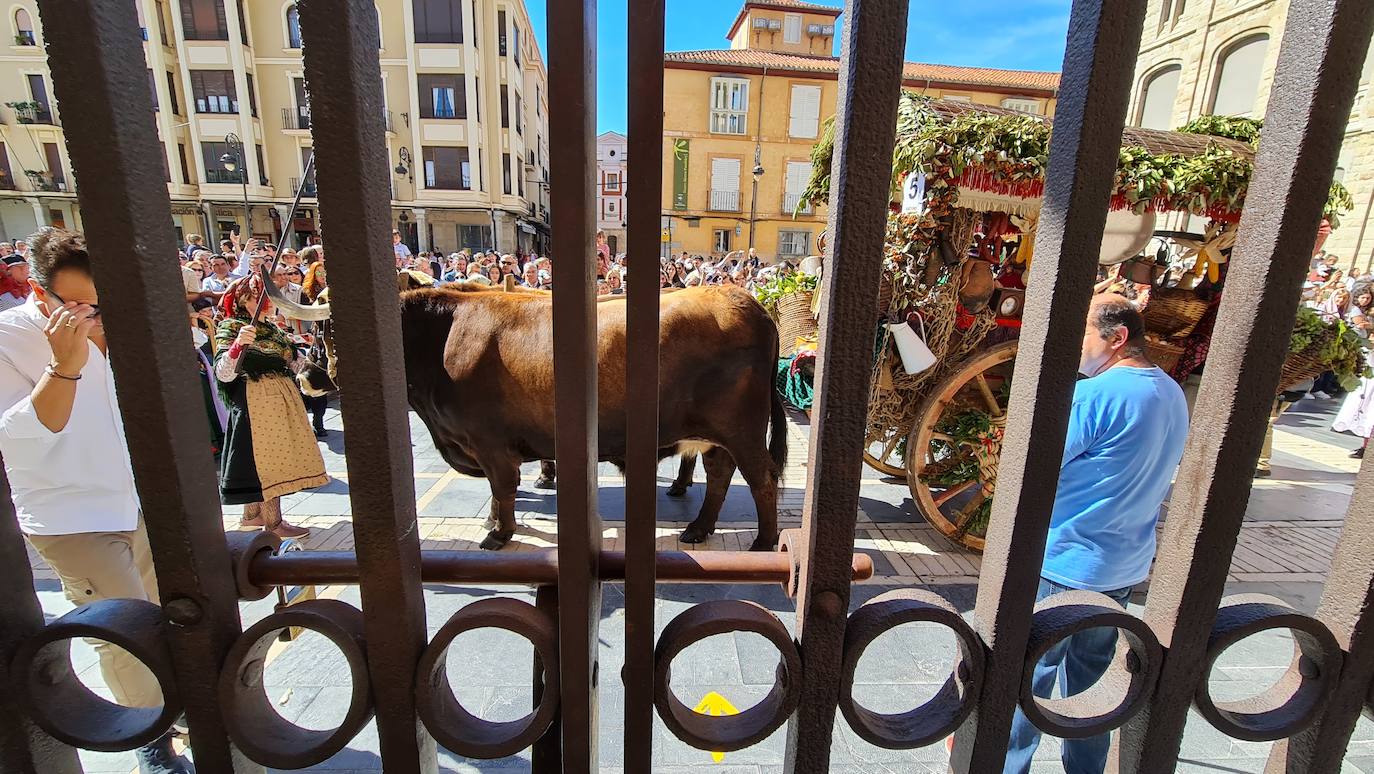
x: 952, y: 451
x: 887, y: 454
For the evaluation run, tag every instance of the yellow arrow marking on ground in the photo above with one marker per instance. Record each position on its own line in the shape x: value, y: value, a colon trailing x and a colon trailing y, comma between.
x: 715, y: 704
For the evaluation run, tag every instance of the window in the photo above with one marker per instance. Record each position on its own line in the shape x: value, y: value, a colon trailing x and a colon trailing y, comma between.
x: 477, y: 85
x: 613, y: 181
x: 505, y: 173
x: 501, y: 33
x: 474, y: 236
x: 791, y: 28
x: 956, y: 98
x: 725, y: 184
x: 243, y: 24
x: 1157, y: 97
x: 720, y: 240
x: 38, y: 92
x: 794, y: 243
x: 519, y: 111
x: 204, y: 20
x: 538, y: 113
x: 262, y: 167
x: 806, y: 112
x: 1236, y: 87
x: 794, y: 183
x: 302, y: 117
x: 252, y: 97
x: 505, y: 107
x: 6, y: 176
x: 1022, y: 104
x: 310, y: 187
x: 447, y: 168
x: 152, y: 90
x: 438, y: 21
x: 185, y: 167
x: 1169, y: 13
x: 482, y: 170
x: 443, y: 96
x: 23, y: 29
x: 166, y: 168
x: 162, y: 23
x: 213, y: 91
x: 293, y: 27
x: 172, y: 93
x: 210, y: 154
x: 53, y: 156
x: 729, y: 105
x: 515, y: 43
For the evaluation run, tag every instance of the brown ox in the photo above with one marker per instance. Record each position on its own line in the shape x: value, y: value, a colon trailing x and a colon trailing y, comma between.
x: 479, y: 372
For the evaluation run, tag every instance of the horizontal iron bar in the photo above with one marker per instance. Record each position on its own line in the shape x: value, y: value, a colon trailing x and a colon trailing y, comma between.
x: 535, y: 568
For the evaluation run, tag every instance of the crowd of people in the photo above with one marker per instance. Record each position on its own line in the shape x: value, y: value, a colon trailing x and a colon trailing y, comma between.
x: 1349, y: 298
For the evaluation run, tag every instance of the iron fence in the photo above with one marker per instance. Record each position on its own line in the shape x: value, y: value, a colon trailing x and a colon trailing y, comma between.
x: 208, y: 666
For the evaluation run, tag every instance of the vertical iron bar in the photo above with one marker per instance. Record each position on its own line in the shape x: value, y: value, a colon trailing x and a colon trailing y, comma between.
x: 343, y: 79
x: 1313, y: 89
x: 865, y: 130
x: 97, y: 64
x: 645, y: 91
x: 1346, y: 609
x: 24, y: 748
x: 572, y: 126
x: 1094, y: 90
x: 546, y: 751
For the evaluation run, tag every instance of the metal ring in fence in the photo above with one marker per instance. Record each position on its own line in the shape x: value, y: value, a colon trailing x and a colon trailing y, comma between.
x: 941, y: 714
x: 790, y: 543
x: 251, y: 720
x: 735, y: 732
x: 1292, y: 703
x: 1132, y: 674
x: 70, y: 712
x: 243, y: 547
x: 448, y: 720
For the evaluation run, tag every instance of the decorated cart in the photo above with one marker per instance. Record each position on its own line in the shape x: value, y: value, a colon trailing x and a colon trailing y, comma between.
x: 968, y: 182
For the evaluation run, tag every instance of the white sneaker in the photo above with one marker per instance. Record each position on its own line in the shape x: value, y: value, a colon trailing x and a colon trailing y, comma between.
x: 1319, y: 395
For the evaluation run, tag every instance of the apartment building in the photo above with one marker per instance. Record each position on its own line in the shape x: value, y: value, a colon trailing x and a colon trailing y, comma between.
x: 611, y: 170
x: 1218, y: 57
x: 465, y: 114
x: 740, y: 123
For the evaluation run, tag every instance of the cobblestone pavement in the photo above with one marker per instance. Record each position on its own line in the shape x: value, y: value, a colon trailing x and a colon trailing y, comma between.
x: 1290, y: 531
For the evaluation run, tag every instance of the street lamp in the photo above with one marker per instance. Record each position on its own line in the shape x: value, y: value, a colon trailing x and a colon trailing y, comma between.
x: 404, y: 167
x: 232, y: 162
x: 754, y: 198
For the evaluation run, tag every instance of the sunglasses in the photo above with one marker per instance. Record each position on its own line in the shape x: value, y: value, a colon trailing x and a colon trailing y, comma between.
x: 95, y: 308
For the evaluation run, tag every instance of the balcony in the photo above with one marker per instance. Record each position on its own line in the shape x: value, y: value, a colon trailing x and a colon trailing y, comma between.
x: 295, y: 118
x: 32, y: 113
x: 724, y: 201
x: 220, y: 175
x: 42, y: 181
x: 793, y: 203
x: 309, y: 186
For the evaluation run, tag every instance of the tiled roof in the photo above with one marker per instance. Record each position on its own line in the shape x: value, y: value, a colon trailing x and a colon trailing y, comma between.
x: 1031, y: 80
x: 782, y: 5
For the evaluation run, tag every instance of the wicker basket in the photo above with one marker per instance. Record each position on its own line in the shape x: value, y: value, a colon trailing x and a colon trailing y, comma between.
x: 1173, y: 312
x: 885, y: 291
x: 794, y: 320
x: 1163, y: 353
x: 1298, y: 368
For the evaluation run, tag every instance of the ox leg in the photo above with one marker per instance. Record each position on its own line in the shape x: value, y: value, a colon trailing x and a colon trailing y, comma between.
x: 758, y: 471
x: 504, y: 479
x: 719, y: 468
x: 685, y: 470
x: 548, y: 474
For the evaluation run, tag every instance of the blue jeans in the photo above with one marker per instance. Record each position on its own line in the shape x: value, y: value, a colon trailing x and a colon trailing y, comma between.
x: 1078, y: 662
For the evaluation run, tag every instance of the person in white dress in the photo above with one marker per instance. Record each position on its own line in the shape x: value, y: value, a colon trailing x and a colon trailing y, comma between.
x: 1357, y: 412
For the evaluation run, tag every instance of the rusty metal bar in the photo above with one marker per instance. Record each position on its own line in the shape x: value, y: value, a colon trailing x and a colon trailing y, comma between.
x: 644, y: 74
x: 1313, y: 89
x: 572, y: 129
x: 865, y: 131
x: 538, y: 567
x: 343, y: 79
x: 97, y: 64
x: 1094, y: 88
x: 24, y: 747
x: 545, y: 753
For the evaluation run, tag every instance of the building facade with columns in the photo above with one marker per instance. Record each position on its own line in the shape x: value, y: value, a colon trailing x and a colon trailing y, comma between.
x: 465, y: 114
x: 611, y: 169
x: 740, y: 123
x: 1218, y: 57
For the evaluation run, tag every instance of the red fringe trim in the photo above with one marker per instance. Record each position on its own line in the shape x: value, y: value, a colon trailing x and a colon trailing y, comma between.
x: 979, y: 179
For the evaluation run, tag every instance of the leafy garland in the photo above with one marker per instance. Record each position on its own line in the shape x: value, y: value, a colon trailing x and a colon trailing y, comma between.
x: 1246, y: 130
x: 772, y: 291
x: 1331, y: 343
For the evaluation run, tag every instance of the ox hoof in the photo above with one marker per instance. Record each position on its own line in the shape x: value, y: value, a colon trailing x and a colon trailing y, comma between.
x: 677, y: 490
x: 763, y: 544
x: 694, y: 534
x: 545, y: 483
x: 497, y: 540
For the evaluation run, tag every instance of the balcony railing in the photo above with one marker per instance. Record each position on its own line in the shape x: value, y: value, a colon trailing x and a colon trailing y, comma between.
x: 794, y: 203
x: 386, y: 119
x: 309, y: 186
x: 725, y: 201
x: 295, y: 117
x: 33, y: 113
x: 42, y: 181
x: 220, y: 175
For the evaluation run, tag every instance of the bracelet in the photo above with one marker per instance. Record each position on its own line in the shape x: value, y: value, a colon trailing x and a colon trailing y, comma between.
x: 50, y: 371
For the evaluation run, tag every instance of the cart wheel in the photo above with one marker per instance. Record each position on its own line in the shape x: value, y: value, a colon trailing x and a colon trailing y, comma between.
x: 952, y: 452
x: 886, y: 453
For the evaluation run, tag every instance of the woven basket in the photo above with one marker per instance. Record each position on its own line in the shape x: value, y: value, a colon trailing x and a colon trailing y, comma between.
x: 794, y: 320
x: 1298, y: 368
x: 885, y: 291
x: 1173, y: 312
x: 1164, y: 354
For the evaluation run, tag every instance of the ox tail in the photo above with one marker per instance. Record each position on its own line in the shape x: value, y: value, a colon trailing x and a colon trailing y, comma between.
x: 777, y: 425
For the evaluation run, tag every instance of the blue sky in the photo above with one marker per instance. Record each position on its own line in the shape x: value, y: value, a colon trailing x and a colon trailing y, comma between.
x: 1025, y: 35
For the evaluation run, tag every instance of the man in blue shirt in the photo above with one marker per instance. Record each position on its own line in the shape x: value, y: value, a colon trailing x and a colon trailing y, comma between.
x: 1127, y: 429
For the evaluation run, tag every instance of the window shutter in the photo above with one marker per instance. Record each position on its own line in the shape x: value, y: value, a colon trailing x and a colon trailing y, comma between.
x: 797, y: 172
x: 806, y: 111
x: 725, y: 174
